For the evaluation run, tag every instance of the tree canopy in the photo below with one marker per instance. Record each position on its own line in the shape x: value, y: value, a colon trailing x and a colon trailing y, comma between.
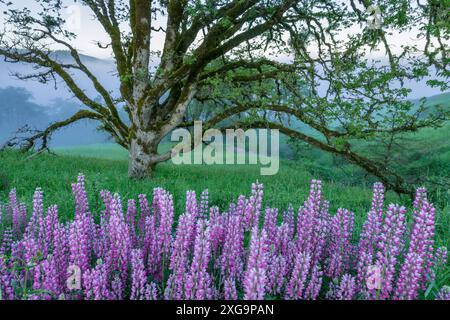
x: 247, y: 64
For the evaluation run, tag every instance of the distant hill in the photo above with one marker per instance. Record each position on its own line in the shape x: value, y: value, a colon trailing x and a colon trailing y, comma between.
x: 18, y: 109
x: 44, y: 94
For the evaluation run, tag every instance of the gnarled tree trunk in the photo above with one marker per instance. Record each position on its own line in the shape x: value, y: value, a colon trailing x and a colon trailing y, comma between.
x: 143, y: 151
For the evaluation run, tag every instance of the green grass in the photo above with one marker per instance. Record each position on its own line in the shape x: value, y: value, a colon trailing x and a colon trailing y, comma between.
x: 225, y: 183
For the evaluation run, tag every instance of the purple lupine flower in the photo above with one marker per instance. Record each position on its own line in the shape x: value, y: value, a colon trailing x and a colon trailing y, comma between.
x: 296, y: 285
x: 50, y: 281
x: 79, y: 192
x: 179, y: 257
x: 149, y: 242
x: 229, y: 290
x: 340, y: 247
x: 164, y: 232
x: 30, y: 247
x: 106, y: 197
x: 7, y: 240
x: 60, y: 253
x: 145, y: 212
x: 277, y: 270
x: 131, y: 213
x: 192, y: 209
x: 307, y: 219
x: 440, y: 257
x: 288, y: 219
x: 421, y: 195
x: 95, y: 282
x: 347, y: 288
x: 444, y: 293
x: 253, y: 207
x: 409, y: 279
x: 119, y: 242
x: 231, y: 260
x: 217, y: 224
x: 428, y: 256
x: 117, y: 288
x: 370, y: 233
x: 255, y: 275
x: 315, y: 284
x: 138, y: 275
x: 51, y: 221
x: 198, y: 281
x: 78, y: 245
x: 389, y: 246
x: 36, y: 215
x: 320, y: 238
x: 151, y: 291
x: 6, y: 281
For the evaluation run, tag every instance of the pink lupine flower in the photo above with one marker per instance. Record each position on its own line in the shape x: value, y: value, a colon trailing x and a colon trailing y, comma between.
x: 95, y: 283
x: 198, y: 281
x: 119, y: 242
x: 270, y: 227
x: 179, y: 257
x: 444, y: 293
x: 36, y: 214
x: 288, y: 219
x: 60, y: 253
x: 106, y: 197
x: 217, y: 225
x: 390, y: 245
x: 7, y: 240
x: 340, y: 247
x: 230, y: 292
x: 347, y: 288
x: 78, y: 245
x: 164, y: 214
x: 370, y: 234
x: 145, y: 212
x: 253, y: 207
x: 138, y: 275
x: 131, y: 214
x: 440, y: 257
x: 231, y: 260
x: 151, y: 291
x: 79, y: 192
x: 296, y: 285
x: 409, y: 279
x: 255, y: 275
x: 315, y: 284
x: 6, y: 281
x: 149, y: 241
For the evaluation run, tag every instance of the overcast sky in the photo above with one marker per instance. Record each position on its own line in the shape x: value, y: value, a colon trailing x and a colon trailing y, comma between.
x: 81, y: 21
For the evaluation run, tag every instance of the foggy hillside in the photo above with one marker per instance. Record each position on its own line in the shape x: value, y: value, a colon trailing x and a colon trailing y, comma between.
x: 37, y: 104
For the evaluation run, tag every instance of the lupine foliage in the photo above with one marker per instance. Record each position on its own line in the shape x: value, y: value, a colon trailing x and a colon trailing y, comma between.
x: 242, y: 253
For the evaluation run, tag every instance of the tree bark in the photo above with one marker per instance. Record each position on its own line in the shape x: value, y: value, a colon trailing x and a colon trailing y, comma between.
x: 143, y: 152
